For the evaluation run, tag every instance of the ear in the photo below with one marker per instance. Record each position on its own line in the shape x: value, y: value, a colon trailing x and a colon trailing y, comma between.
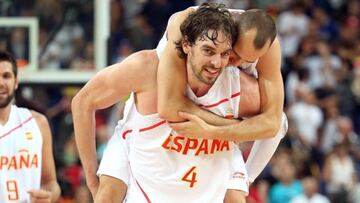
x: 186, y: 45
x: 16, y: 83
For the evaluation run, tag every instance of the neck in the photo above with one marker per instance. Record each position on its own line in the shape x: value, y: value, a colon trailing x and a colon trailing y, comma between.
x: 4, y: 114
x: 199, y: 88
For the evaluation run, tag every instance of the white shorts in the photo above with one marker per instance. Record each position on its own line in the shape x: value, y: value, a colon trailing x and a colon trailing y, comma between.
x: 115, y: 162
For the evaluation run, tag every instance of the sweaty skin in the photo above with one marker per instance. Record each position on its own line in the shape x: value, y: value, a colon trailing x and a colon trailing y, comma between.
x: 172, y: 82
x: 137, y: 74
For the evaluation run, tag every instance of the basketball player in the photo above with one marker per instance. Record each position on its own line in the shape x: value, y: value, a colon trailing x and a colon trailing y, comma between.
x: 256, y: 51
x: 165, y: 167
x: 27, y: 170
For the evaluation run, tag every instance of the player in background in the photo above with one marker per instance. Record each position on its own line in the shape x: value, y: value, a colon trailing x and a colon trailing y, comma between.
x: 27, y: 169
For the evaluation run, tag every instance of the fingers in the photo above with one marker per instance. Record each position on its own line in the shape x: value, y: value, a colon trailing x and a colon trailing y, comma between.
x: 190, y: 117
x: 177, y: 126
x: 185, y: 115
x: 39, y: 196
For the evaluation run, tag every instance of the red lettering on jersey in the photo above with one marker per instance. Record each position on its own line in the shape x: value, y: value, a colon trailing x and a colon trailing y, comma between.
x: 203, y: 147
x: 166, y: 144
x: 12, y: 163
x: 3, y: 161
x: 184, y: 145
x: 24, y: 161
x: 178, y: 143
x: 215, y: 143
x: 191, y: 143
x: 20, y: 161
x: 225, y: 145
x: 34, y: 161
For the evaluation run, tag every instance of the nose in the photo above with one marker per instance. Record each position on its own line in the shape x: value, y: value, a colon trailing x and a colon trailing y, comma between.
x: 216, y: 61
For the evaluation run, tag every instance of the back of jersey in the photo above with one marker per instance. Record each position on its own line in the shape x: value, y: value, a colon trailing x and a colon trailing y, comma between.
x: 20, y: 156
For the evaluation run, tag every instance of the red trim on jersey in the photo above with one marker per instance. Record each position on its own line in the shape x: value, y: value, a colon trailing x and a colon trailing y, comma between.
x: 19, y: 126
x: 144, y: 129
x: 163, y: 121
x: 220, y: 102
x: 142, y: 190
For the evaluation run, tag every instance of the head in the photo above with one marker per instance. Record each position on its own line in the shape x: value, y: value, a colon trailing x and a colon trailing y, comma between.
x: 310, y: 186
x: 256, y: 33
x: 207, y: 38
x: 8, y: 78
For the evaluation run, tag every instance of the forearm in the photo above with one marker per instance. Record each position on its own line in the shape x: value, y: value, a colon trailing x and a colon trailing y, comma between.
x: 205, y: 115
x: 84, y: 126
x: 262, y: 126
x: 54, y: 188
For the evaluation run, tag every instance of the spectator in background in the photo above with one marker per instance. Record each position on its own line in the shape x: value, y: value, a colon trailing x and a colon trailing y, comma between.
x: 292, y: 26
x: 306, y: 118
x: 288, y: 186
x: 311, y: 194
x: 322, y: 66
x: 339, y: 174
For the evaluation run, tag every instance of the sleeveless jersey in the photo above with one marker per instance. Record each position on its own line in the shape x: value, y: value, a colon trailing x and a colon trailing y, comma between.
x: 20, y: 156
x: 167, y: 167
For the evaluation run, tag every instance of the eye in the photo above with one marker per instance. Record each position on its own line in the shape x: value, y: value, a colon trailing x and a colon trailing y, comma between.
x: 208, y: 51
x: 6, y: 75
x: 225, y: 54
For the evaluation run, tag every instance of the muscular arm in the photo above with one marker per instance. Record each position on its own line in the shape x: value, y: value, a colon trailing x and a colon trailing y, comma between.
x: 48, y: 174
x: 108, y: 87
x: 267, y: 123
x: 172, y: 80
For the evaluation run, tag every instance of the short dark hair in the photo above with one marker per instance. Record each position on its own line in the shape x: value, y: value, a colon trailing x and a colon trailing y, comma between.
x: 6, y: 56
x: 209, y: 16
x: 259, y: 20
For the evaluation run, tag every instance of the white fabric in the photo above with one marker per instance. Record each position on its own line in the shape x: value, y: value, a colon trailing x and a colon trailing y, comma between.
x: 20, y: 156
x: 317, y: 198
x: 307, y: 119
x: 159, y: 159
x: 263, y: 150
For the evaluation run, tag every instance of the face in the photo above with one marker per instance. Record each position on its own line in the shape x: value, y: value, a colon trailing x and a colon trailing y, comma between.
x: 8, y: 83
x: 206, y: 59
x: 244, y: 51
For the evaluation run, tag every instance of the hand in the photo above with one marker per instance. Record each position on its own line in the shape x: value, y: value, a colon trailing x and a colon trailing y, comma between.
x: 194, y: 127
x: 40, y: 196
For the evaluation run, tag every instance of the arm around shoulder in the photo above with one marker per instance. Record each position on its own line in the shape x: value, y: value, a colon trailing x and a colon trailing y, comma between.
x: 48, y: 172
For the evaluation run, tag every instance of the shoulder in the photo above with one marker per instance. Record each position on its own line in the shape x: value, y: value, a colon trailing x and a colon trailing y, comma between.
x: 40, y: 119
x: 142, y: 58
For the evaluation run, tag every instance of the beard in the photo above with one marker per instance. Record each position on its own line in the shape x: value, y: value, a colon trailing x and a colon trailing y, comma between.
x: 198, y: 73
x: 7, y: 100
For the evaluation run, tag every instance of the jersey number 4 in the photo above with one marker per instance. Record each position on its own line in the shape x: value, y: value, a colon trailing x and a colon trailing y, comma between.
x: 190, y: 176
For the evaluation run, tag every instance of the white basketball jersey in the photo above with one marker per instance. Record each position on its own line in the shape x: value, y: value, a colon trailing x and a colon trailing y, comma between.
x: 20, y: 156
x: 167, y: 167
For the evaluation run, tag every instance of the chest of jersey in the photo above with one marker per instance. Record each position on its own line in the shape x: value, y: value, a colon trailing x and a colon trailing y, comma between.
x: 162, y: 160
x: 20, y: 156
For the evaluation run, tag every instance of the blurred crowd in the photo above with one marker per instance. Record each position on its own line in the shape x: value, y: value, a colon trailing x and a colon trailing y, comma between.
x: 319, y: 158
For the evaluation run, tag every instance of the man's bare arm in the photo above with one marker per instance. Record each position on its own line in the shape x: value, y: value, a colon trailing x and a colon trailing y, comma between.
x: 109, y: 86
x: 267, y: 123
x: 172, y: 80
x: 50, y: 189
